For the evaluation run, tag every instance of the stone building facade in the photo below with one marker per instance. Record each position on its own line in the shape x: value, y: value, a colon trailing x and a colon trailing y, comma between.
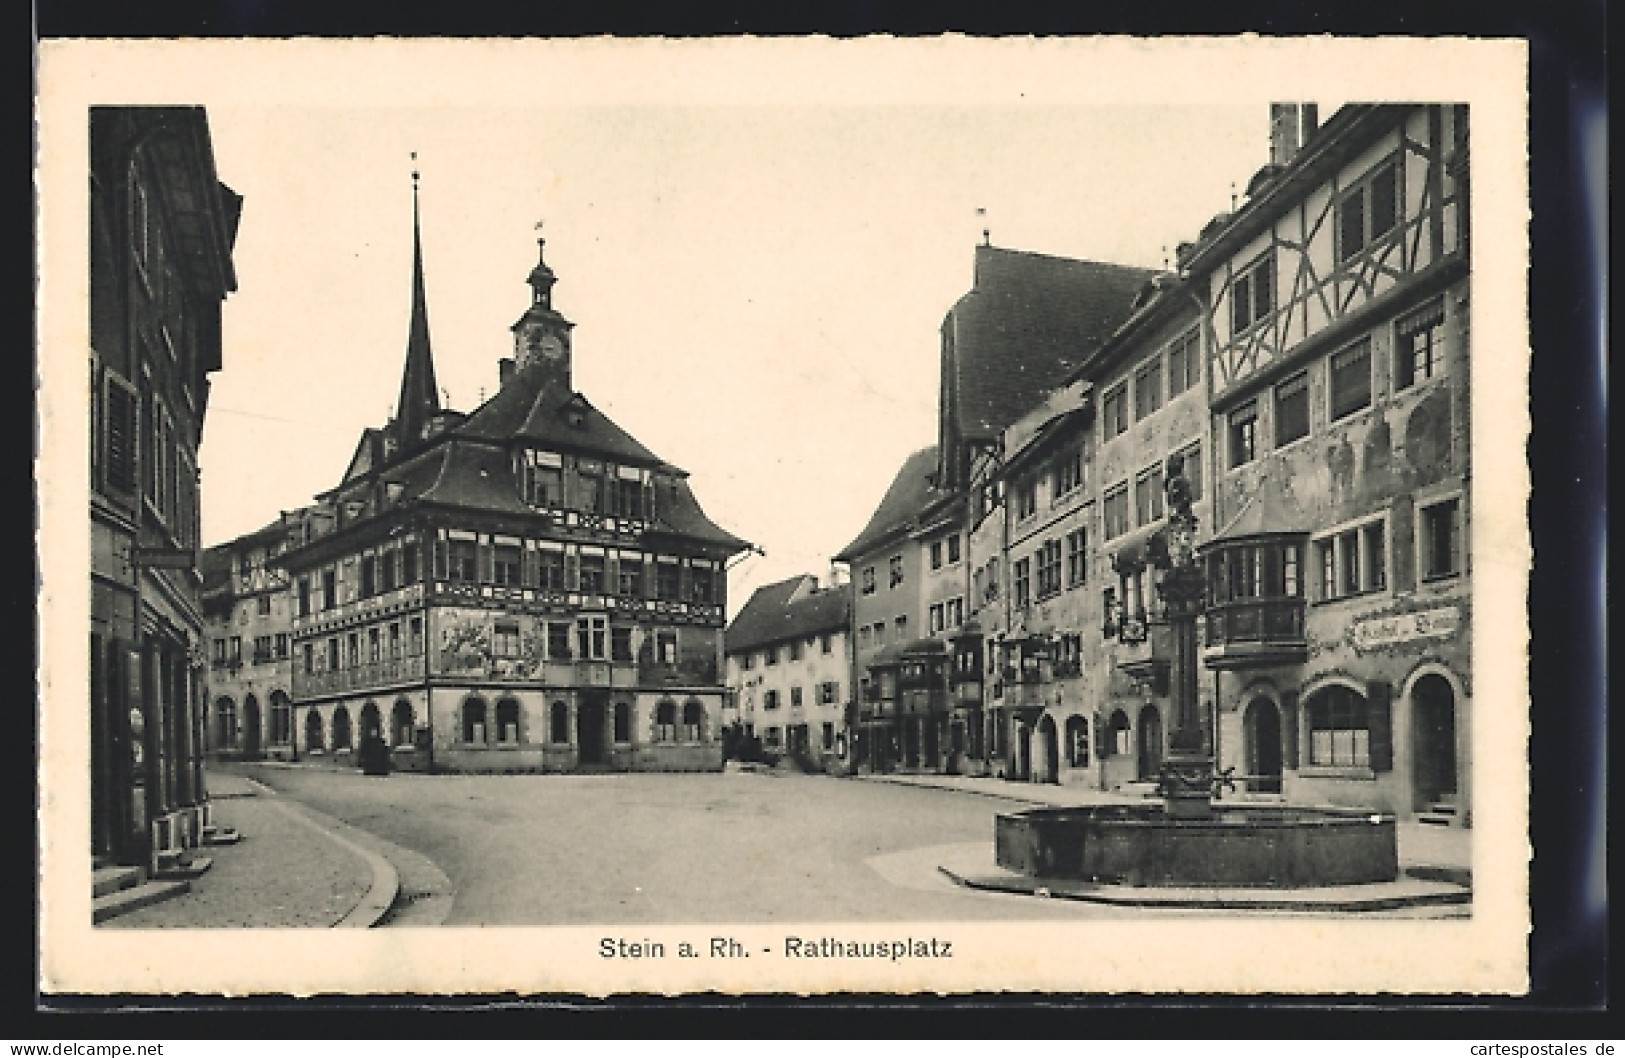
x: 789, y: 670
x: 162, y: 227
x: 248, y: 625
x: 1309, y: 364
x: 521, y: 588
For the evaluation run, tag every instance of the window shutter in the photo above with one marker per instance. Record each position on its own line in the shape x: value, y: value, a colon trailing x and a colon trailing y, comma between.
x: 612, y: 573
x: 572, y: 570
x: 120, y: 438
x: 528, y: 565
x: 487, y: 562
x: 1289, y: 728
x: 1379, y: 713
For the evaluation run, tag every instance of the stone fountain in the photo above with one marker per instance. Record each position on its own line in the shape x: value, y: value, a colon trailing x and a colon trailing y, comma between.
x: 1193, y: 839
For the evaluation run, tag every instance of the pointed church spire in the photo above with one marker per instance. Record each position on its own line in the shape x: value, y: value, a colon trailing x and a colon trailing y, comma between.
x: 420, y: 395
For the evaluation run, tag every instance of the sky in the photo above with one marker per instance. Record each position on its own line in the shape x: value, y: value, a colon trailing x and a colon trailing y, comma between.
x: 757, y: 290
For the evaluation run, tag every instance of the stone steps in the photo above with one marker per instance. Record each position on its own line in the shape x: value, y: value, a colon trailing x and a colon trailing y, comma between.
x: 110, y: 879
x: 136, y: 896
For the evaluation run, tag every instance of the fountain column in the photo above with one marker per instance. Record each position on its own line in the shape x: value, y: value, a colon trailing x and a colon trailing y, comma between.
x: 1187, y: 772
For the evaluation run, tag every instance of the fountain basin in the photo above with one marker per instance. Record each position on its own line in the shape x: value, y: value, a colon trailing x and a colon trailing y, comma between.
x: 1265, y: 846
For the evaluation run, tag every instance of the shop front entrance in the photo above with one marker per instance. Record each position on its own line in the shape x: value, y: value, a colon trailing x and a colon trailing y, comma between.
x: 1263, y: 727
x: 590, y: 726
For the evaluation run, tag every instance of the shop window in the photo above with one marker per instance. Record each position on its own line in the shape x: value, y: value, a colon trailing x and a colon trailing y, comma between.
x: 1077, y: 742
x: 1351, y: 379
x: 1441, y: 539
x: 829, y: 736
x: 558, y: 724
x: 623, y: 722
x: 342, y: 734
x: 693, y: 721
x: 402, y: 723
x: 1292, y: 409
x: 666, y: 721
x: 1242, y: 433
x: 474, y: 721
x: 1118, y: 735
x: 1339, y: 728
x: 508, y: 721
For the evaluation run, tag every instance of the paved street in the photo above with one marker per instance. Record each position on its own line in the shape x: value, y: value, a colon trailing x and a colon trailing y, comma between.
x: 669, y: 848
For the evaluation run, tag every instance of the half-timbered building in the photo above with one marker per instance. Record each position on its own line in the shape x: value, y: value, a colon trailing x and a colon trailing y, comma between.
x: 1339, y: 612
x: 522, y: 588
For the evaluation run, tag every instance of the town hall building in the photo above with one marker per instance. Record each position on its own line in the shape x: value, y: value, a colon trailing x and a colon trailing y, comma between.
x: 525, y: 587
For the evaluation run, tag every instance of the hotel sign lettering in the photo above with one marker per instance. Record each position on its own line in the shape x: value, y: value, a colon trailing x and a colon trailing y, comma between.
x: 1400, y: 628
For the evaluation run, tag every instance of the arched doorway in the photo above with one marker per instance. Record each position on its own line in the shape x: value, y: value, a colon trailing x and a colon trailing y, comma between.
x: 341, y: 728
x: 1433, y: 709
x: 1262, y: 724
x: 1049, y: 751
x: 402, y: 723
x: 251, y: 727
x: 315, y: 740
x: 225, y: 724
x: 1150, y: 747
x: 372, y: 722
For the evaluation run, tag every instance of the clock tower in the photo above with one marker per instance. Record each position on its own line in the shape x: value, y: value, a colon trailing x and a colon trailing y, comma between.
x: 541, y: 337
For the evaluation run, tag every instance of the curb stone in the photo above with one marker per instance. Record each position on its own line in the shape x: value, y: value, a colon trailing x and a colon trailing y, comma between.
x: 385, y: 881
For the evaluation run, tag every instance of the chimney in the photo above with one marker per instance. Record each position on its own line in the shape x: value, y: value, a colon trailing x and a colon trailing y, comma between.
x: 1291, y: 125
x: 504, y: 370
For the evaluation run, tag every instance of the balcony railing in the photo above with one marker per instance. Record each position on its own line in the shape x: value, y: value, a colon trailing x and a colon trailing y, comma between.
x: 362, y: 677
x: 1255, y: 632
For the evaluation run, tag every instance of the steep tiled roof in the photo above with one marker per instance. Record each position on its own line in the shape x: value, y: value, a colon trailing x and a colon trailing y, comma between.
x: 1268, y: 511
x: 474, y: 475
x: 1027, y: 323
x: 527, y: 408
x: 677, y: 511
x: 911, y: 492
x: 784, y: 611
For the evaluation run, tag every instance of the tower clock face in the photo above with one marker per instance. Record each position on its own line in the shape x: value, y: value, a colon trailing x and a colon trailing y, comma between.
x: 551, y: 347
